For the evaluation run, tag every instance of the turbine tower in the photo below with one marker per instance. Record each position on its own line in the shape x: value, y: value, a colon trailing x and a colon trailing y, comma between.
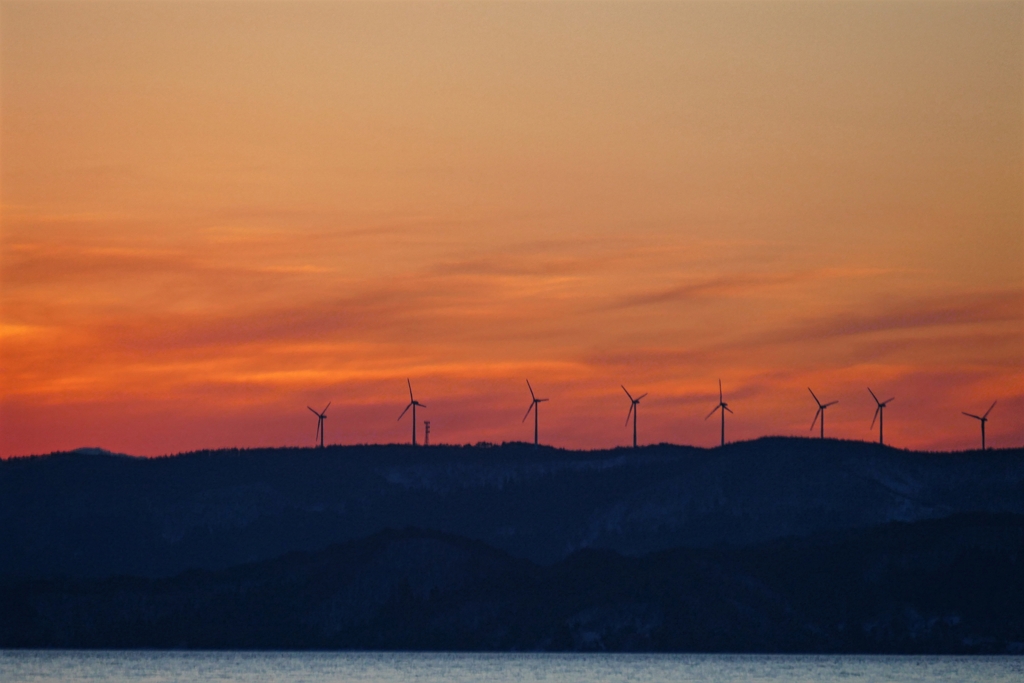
x: 724, y: 406
x: 412, y: 404
x: 983, y: 419
x: 633, y: 409
x: 534, y: 406
x: 821, y: 411
x: 320, y: 417
x: 879, y: 413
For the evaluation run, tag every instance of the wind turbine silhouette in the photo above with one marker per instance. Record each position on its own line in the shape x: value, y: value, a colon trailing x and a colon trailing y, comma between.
x: 879, y: 413
x: 536, y: 411
x: 724, y: 406
x: 633, y: 408
x: 412, y: 404
x: 320, y: 417
x: 821, y: 411
x: 983, y: 419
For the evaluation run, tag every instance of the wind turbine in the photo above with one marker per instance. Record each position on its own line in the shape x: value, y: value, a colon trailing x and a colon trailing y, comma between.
x: 879, y: 413
x: 724, y: 406
x: 633, y: 408
x: 821, y: 411
x: 412, y: 404
x: 320, y: 417
x: 983, y: 419
x: 536, y: 410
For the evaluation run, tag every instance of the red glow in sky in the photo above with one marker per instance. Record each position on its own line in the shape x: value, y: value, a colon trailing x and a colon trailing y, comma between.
x: 216, y: 214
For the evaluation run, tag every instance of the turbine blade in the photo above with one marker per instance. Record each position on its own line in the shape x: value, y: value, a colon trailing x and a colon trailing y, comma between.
x: 873, y: 395
x: 541, y: 400
x: 421, y: 405
x: 410, y: 389
x: 640, y: 397
x: 887, y: 401
x: 627, y: 393
x: 990, y: 408
x: 719, y: 391
x: 815, y: 420
x: 313, y: 411
x: 529, y: 409
x: 405, y: 411
x: 326, y: 407
x: 830, y: 403
x: 629, y: 413
x: 815, y: 397
x: 727, y: 408
x: 714, y: 411
x: 877, y: 410
x: 532, y: 395
x: 974, y: 416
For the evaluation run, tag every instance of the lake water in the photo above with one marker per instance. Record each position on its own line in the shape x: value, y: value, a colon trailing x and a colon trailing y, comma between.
x: 38, y: 666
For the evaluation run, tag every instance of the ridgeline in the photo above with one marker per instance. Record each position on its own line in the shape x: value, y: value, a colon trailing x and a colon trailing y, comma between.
x: 778, y: 544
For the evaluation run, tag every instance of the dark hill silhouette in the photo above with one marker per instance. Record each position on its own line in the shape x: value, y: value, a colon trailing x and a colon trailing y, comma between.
x: 936, y: 586
x: 96, y: 515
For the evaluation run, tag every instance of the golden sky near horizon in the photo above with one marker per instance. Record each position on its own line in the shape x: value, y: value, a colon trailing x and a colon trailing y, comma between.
x: 216, y: 213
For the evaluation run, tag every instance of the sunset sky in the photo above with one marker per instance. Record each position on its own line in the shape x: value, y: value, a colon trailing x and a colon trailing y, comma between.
x: 217, y: 213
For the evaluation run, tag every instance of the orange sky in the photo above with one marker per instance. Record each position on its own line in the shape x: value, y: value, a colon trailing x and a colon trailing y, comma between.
x: 216, y: 213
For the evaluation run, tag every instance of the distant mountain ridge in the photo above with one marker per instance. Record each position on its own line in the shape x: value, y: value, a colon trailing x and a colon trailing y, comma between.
x: 92, y: 450
x: 97, y: 515
x: 935, y: 586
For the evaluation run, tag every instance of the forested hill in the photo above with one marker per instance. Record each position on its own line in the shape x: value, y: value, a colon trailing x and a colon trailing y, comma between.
x: 935, y: 586
x: 95, y: 515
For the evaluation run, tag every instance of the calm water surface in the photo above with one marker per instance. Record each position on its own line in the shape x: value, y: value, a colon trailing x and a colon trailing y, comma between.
x: 20, y: 666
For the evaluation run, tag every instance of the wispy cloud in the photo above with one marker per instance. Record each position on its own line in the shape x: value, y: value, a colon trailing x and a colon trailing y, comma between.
x: 738, y: 284
x: 1002, y: 305
x: 49, y: 264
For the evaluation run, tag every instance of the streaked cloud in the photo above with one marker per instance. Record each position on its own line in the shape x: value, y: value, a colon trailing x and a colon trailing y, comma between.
x: 997, y: 306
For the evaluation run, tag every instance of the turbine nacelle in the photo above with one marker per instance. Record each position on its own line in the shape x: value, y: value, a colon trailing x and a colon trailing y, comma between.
x: 320, y: 417
x: 633, y: 402
x: 982, y: 419
x: 634, y: 410
x: 323, y: 413
x: 820, y: 412
x: 413, y: 403
x: 881, y: 406
x: 724, y: 408
x: 534, y: 403
x: 879, y: 414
